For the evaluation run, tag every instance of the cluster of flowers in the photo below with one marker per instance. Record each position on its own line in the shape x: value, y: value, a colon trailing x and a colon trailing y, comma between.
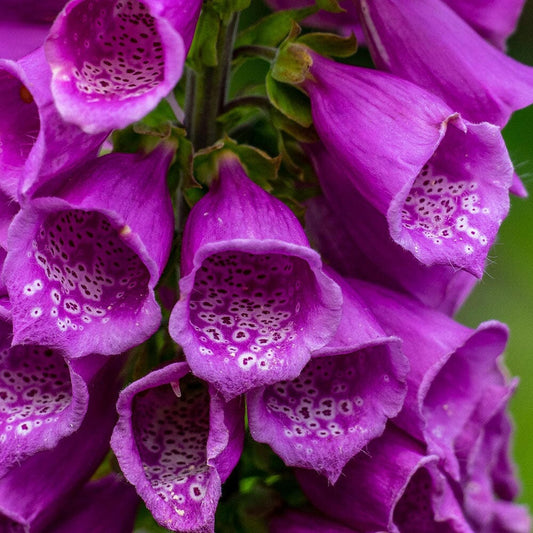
x: 393, y: 415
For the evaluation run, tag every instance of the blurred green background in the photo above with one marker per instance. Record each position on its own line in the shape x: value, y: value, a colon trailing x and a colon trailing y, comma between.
x: 506, y: 291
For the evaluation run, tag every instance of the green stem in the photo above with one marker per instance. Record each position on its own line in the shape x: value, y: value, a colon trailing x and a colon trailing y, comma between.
x: 209, y: 91
x: 252, y: 50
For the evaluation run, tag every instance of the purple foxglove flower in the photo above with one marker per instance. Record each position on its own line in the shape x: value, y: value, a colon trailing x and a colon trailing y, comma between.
x: 108, y: 504
x: 352, y: 236
x: 488, y: 477
x: 393, y: 487
x: 82, y: 264
x: 254, y: 301
x: 33, y: 493
x: 340, y: 401
x: 344, y: 23
x: 441, y: 182
x: 494, y: 20
x: 298, y: 522
x: 454, y: 370
x: 43, y: 397
x: 177, y: 440
x: 36, y: 143
x: 429, y: 44
x: 112, y: 62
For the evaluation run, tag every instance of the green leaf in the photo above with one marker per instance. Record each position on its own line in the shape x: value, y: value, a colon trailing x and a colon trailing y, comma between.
x: 289, y: 100
x: 329, y: 44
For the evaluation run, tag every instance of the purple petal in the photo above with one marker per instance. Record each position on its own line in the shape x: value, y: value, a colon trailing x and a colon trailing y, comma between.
x: 114, y: 61
x: 38, y: 144
x: 177, y: 441
x: 426, y: 42
x: 392, y: 487
x: 354, y: 238
x: 254, y: 300
x: 451, y: 368
x: 81, y: 267
x: 33, y: 493
x: 442, y: 183
x: 495, y: 20
x: 107, y: 504
x: 338, y: 403
x: 298, y: 522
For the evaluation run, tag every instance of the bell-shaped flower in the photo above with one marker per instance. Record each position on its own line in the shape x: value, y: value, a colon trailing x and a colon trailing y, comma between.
x: 353, y: 237
x: 488, y: 476
x: 454, y: 371
x: 36, y: 142
x: 113, y: 61
x: 254, y: 301
x: 8, y: 209
x: 33, y: 492
x: 292, y: 521
x: 441, y: 182
x: 395, y: 487
x: 107, y: 504
x: 495, y: 20
x: 82, y: 264
x: 429, y: 44
x: 177, y: 440
x: 340, y: 401
x: 44, y: 397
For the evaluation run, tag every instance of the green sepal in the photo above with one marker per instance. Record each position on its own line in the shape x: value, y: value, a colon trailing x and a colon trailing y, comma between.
x: 329, y: 44
x: 273, y: 29
x: 290, y: 101
x: 284, y: 123
x: 259, y: 166
x: 332, y: 6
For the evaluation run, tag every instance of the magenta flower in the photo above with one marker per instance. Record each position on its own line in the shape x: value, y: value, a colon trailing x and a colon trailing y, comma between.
x: 82, y: 264
x: 441, y: 182
x: 353, y: 237
x: 33, y: 492
x: 37, y: 143
x: 393, y: 487
x: 340, y: 401
x: 429, y: 44
x: 254, y: 301
x: 177, y: 440
x: 112, y: 62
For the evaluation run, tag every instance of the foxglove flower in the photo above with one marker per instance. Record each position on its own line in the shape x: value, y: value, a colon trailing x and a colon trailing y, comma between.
x: 113, y: 61
x: 454, y: 370
x: 299, y: 522
x: 82, y: 264
x: 8, y: 209
x: 106, y: 504
x: 43, y: 397
x: 352, y: 236
x: 429, y: 44
x: 254, y: 301
x: 340, y: 401
x: 177, y: 440
x: 33, y: 493
x: 36, y: 144
x: 393, y: 487
x: 441, y: 182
